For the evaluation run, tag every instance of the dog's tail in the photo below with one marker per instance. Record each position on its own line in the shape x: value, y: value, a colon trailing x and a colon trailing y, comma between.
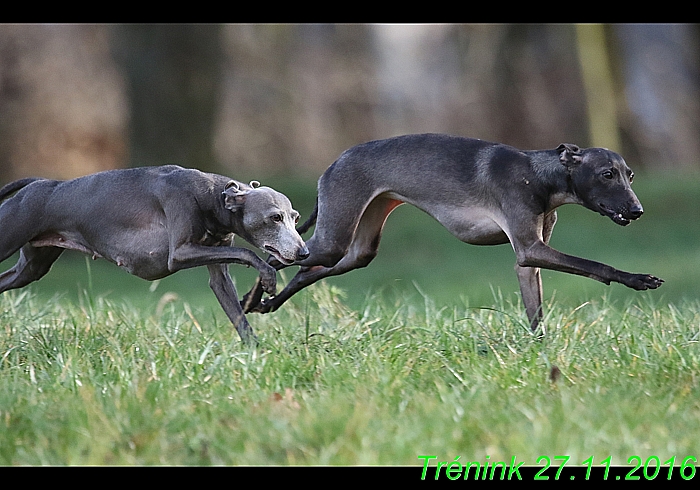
x: 303, y: 228
x: 15, y: 186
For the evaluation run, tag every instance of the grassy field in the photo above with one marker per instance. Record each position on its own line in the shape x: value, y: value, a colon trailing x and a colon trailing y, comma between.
x: 425, y: 352
x: 102, y: 383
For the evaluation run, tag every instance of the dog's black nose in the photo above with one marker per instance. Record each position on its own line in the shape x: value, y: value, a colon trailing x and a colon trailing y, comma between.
x: 302, y: 253
x: 636, y: 211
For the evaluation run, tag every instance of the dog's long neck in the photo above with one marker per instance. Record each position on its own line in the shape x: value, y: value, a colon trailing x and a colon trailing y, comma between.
x: 555, y: 177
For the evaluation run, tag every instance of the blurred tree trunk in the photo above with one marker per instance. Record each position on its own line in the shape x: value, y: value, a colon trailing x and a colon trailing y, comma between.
x: 658, y: 68
x: 603, y: 125
x: 295, y: 96
x: 62, y: 102
x: 173, y: 74
x: 515, y: 84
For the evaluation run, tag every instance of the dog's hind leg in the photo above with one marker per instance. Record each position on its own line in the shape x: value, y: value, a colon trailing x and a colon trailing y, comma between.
x: 33, y: 264
x: 220, y: 282
x: 530, y: 279
x: 361, y: 252
x: 337, y: 215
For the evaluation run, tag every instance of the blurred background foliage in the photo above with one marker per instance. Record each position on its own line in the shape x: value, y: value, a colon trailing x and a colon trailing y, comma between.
x: 279, y: 102
x: 283, y: 99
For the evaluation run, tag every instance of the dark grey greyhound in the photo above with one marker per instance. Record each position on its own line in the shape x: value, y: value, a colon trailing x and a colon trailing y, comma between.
x: 152, y: 222
x: 483, y: 193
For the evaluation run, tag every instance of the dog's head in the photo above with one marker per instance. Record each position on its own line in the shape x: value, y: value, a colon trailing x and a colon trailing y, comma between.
x: 268, y: 220
x: 601, y: 180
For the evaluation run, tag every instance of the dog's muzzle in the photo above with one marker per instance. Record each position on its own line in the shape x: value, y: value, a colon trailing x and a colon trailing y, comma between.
x: 625, y: 217
x: 300, y: 254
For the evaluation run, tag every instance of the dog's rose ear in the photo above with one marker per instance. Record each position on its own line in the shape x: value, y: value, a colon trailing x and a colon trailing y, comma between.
x: 234, y: 196
x: 569, y: 154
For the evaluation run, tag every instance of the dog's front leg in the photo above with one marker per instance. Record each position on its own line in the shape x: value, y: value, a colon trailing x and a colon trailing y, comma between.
x: 529, y: 279
x: 191, y: 255
x: 540, y: 255
x: 252, y: 299
x: 220, y: 282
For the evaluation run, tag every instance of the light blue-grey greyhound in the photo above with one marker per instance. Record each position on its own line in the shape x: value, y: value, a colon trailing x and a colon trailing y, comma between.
x: 152, y: 222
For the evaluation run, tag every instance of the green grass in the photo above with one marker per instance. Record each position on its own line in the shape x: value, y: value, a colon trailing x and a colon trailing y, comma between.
x: 102, y: 383
x: 425, y: 352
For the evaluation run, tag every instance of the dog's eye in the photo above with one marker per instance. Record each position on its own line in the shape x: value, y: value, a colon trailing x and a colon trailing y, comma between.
x: 608, y: 174
x: 631, y: 177
x: 296, y: 219
x: 277, y: 218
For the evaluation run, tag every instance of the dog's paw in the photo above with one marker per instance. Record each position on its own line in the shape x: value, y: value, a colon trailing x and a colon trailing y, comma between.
x: 642, y: 282
x: 268, y: 280
x: 265, y: 306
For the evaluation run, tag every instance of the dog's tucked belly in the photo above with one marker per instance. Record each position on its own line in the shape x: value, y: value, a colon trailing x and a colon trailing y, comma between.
x: 475, y: 226
x: 144, y: 255
x: 470, y: 223
x: 58, y: 240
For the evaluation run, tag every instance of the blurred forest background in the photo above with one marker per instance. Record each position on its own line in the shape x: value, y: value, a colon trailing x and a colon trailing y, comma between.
x: 280, y: 102
x: 286, y: 99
